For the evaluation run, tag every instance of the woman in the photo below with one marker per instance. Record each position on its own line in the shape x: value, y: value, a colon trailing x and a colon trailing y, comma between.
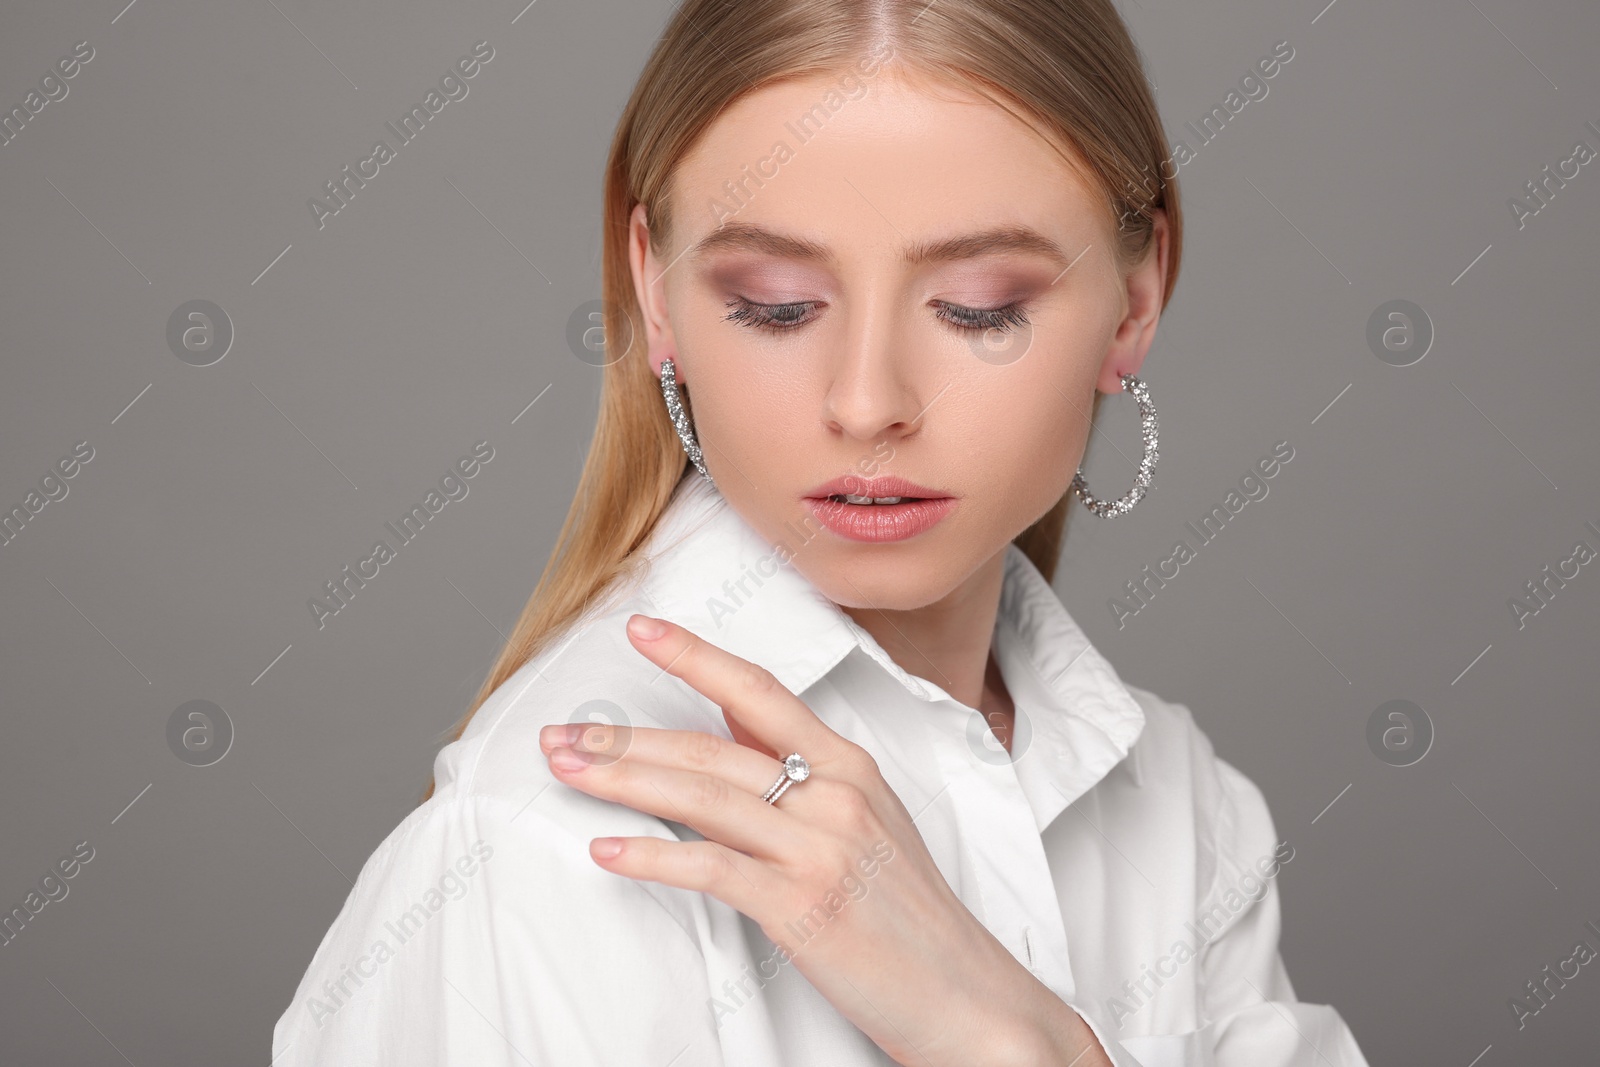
x: 777, y: 765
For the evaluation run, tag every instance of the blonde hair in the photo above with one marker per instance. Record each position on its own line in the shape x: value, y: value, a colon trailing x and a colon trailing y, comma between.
x: 1068, y: 67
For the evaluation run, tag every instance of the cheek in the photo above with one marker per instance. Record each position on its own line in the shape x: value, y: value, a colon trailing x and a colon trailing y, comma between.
x: 741, y: 393
x: 1035, y: 420
x: 744, y: 402
x: 1029, y: 461
x: 1028, y: 430
x: 744, y: 391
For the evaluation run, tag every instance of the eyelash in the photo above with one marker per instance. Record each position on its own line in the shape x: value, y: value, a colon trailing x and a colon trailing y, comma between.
x: 777, y: 318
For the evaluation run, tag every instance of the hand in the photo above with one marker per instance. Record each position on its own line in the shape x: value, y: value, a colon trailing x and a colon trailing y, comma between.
x: 835, y: 873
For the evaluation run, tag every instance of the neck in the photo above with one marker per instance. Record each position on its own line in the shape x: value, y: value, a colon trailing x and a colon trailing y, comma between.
x: 947, y: 642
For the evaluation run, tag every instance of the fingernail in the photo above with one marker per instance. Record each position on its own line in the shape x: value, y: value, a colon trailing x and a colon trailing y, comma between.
x: 646, y: 628
x: 606, y: 847
x: 566, y: 759
x: 561, y: 733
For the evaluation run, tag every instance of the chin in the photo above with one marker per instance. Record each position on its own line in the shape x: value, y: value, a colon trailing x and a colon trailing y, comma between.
x: 900, y: 577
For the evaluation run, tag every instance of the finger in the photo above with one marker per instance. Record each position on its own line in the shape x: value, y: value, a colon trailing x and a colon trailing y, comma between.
x: 748, y: 739
x: 691, y: 750
x: 774, y: 716
x: 735, y: 879
x: 713, y: 806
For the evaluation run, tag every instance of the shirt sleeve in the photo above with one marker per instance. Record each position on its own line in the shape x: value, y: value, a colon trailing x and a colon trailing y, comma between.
x: 482, y: 932
x: 1254, y: 1019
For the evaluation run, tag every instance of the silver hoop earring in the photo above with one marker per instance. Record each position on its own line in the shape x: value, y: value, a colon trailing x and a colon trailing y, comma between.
x: 1147, y: 429
x: 680, y: 418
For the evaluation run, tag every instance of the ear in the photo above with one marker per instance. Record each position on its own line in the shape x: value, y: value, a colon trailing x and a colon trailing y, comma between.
x: 1146, y: 285
x: 650, y: 291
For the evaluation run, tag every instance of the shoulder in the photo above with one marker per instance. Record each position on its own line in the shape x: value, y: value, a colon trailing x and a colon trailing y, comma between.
x: 474, y: 928
x: 495, y: 779
x: 474, y: 874
x: 1182, y: 777
x: 1173, y: 757
x: 589, y: 673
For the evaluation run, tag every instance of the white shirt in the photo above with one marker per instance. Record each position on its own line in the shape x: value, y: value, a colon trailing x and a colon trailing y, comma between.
x: 1131, y: 869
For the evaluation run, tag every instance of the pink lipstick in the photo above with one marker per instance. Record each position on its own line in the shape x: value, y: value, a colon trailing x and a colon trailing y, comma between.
x: 882, y: 509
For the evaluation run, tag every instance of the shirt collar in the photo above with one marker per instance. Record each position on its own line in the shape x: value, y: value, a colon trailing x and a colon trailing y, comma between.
x: 712, y: 573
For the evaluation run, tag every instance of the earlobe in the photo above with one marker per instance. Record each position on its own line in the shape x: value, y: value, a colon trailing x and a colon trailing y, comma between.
x: 1112, y: 370
x: 1125, y: 355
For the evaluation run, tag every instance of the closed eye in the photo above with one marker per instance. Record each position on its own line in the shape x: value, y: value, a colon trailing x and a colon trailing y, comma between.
x: 773, y: 317
x: 1007, y: 318
x: 780, y: 318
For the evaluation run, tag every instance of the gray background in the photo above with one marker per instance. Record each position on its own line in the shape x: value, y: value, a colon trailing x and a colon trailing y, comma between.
x: 433, y: 309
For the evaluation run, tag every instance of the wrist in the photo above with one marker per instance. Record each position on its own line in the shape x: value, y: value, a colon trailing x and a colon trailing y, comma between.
x: 1021, y: 1021
x: 1050, y: 1031
x: 1001, y: 1014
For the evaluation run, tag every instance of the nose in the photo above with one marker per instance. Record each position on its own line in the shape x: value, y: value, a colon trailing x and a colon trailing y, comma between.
x: 874, y: 393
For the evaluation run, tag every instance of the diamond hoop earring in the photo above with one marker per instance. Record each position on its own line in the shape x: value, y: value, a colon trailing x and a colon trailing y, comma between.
x: 1107, y: 509
x: 680, y: 418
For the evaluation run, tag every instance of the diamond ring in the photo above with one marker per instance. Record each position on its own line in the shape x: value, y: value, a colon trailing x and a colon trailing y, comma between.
x: 795, y: 769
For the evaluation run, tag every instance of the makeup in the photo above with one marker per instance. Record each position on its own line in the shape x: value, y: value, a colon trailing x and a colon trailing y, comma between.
x: 883, y: 509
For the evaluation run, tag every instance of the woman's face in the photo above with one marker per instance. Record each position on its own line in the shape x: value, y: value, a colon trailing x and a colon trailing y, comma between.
x: 912, y: 285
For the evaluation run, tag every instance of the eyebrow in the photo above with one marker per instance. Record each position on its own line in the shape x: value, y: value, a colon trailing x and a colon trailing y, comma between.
x: 743, y: 236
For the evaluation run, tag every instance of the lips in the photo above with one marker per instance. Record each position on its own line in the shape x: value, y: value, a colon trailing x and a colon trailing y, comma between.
x: 883, y: 486
x: 848, y: 506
